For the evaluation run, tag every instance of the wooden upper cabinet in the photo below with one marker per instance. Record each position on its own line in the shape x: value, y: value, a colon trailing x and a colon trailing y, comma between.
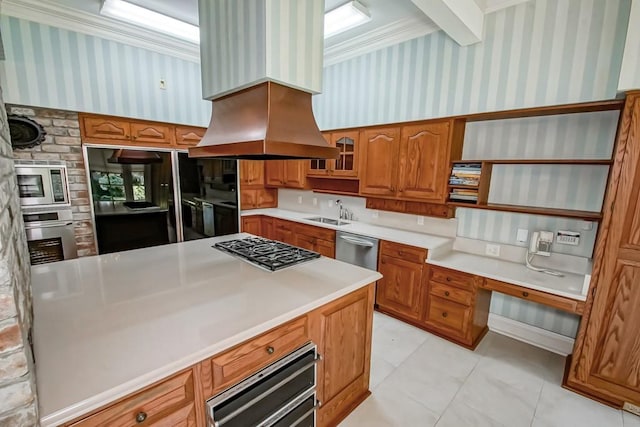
x: 189, y: 135
x: 606, y: 359
x: 321, y: 167
x: 105, y: 129
x: 294, y: 173
x: 424, y: 162
x: 379, y: 158
x: 251, y: 173
x: 347, y: 164
x: 274, y: 173
x: 153, y: 133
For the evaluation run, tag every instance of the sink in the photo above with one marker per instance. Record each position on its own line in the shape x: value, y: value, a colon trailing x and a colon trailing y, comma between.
x: 331, y: 221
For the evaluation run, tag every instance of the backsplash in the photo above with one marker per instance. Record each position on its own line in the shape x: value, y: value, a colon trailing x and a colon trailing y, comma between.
x: 325, y: 205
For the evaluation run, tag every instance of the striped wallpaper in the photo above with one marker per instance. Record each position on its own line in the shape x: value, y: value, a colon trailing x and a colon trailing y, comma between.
x: 630, y: 73
x: 258, y: 40
x: 536, y: 53
x: 55, y: 68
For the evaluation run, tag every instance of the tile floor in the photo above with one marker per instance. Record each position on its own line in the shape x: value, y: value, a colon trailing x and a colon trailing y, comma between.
x: 418, y: 379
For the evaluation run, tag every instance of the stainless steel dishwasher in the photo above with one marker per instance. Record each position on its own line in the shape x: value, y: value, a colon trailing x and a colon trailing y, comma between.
x: 358, y: 250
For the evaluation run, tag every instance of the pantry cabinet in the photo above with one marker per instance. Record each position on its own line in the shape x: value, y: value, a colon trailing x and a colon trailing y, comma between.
x: 606, y: 360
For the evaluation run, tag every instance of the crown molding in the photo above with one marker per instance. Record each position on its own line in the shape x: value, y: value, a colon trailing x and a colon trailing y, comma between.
x: 56, y: 15
x: 385, y: 36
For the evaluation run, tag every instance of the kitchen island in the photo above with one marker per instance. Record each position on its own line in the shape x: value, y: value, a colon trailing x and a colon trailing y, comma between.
x: 108, y: 326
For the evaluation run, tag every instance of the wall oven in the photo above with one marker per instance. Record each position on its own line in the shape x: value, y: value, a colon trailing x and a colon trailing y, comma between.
x: 50, y: 235
x: 42, y: 185
x: 282, y: 395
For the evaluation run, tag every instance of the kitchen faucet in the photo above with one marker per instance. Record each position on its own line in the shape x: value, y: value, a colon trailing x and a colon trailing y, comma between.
x: 343, y: 213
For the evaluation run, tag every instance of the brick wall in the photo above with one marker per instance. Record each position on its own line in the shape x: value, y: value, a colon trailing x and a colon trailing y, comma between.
x: 18, y: 402
x: 63, y: 143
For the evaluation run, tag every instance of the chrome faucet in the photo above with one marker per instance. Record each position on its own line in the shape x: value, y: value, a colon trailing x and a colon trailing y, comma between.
x: 343, y: 213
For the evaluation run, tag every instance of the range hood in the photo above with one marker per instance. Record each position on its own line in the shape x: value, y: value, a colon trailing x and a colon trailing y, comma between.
x: 261, y: 83
x: 134, y: 157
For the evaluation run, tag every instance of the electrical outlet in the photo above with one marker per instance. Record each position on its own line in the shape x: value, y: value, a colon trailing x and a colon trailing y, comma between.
x: 492, y: 250
x: 522, y: 236
x: 587, y: 225
x: 374, y: 215
x: 420, y: 220
x: 163, y: 84
x: 299, y: 200
x: 315, y: 201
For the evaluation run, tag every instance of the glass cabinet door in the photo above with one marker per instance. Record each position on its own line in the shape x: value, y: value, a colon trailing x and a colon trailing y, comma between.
x: 346, y: 164
x: 321, y: 167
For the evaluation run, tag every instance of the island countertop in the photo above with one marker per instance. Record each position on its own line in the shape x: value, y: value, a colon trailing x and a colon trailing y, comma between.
x: 108, y: 325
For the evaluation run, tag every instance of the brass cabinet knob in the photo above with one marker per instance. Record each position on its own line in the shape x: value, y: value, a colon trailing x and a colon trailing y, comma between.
x: 270, y: 350
x: 141, y: 416
x: 445, y: 314
x: 525, y: 294
x: 446, y: 293
x: 448, y: 279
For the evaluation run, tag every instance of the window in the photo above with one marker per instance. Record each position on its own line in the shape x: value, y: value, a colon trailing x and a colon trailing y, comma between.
x: 108, y: 186
x: 137, y: 180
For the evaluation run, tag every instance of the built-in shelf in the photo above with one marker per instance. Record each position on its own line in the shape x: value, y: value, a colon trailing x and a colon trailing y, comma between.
x: 540, y: 161
x: 534, y: 210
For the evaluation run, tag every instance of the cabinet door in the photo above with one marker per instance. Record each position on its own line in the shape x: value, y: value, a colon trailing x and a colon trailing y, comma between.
x: 153, y: 133
x: 379, y: 160
x: 188, y: 135
x: 321, y: 167
x: 347, y: 163
x: 251, y: 173
x: 274, y: 173
x: 267, y: 227
x: 294, y: 173
x: 266, y: 198
x: 424, y: 156
x: 399, y: 288
x: 248, y: 199
x: 306, y: 242
x: 326, y: 248
x: 105, y: 129
x: 251, y: 224
x: 283, y: 232
x: 343, y: 331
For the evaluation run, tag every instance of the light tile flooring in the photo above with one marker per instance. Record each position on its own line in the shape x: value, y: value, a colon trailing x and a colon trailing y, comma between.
x: 418, y: 379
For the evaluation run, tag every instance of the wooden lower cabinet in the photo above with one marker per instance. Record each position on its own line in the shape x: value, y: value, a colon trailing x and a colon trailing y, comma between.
x: 318, y: 239
x: 456, y: 307
x: 252, y: 224
x: 399, y: 290
x: 266, y: 227
x: 342, y: 330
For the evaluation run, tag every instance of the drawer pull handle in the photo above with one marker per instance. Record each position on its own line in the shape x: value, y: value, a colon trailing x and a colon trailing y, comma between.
x: 445, y: 314
x: 525, y: 294
x: 141, y: 416
x: 270, y: 350
x: 446, y: 293
x: 448, y: 279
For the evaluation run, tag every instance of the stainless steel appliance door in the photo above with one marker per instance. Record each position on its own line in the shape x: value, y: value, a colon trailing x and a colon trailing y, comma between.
x: 357, y: 250
x: 47, y: 233
x: 42, y: 185
x: 207, y: 219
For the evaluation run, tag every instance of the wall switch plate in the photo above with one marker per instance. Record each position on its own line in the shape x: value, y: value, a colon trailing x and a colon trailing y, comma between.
x: 315, y: 201
x: 420, y: 220
x: 630, y: 407
x: 492, y: 250
x: 374, y: 215
x: 587, y: 225
x: 163, y: 84
x: 522, y: 236
x: 299, y: 200
x: 568, y: 238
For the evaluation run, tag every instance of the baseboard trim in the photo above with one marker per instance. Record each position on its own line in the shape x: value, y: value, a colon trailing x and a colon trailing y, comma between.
x: 533, y: 335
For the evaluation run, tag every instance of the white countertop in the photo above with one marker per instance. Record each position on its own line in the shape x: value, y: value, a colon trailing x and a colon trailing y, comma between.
x: 427, y: 241
x: 108, y: 325
x: 570, y: 285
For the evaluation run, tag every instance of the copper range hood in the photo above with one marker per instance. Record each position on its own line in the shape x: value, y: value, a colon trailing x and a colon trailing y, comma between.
x: 266, y: 121
x: 259, y: 83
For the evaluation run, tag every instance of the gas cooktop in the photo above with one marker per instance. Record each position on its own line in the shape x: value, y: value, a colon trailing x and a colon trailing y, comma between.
x: 268, y: 254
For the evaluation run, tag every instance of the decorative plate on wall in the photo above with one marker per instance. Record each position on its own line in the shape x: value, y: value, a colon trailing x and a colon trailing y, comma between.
x: 25, y: 132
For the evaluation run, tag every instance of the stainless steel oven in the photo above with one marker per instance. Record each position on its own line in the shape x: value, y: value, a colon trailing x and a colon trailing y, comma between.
x: 42, y: 185
x: 283, y: 394
x: 50, y: 235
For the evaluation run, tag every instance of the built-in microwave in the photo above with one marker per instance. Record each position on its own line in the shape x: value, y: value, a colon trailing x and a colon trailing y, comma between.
x: 42, y: 185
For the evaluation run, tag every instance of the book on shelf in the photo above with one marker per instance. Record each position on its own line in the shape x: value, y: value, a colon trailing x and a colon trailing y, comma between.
x: 465, y: 174
x: 463, y: 195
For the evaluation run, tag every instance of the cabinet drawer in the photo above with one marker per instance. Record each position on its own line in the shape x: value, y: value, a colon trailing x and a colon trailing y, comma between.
x: 190, y: 136
x: 405, y: 252
x: 105, y: 128
x: 451, y: 316
x: 247, y: 358
x: 152, y: 133
x: 316, y: 232
x: 561, y: 303
x: 451, y: 293
x: 452, y: 277
x: 161, y: 399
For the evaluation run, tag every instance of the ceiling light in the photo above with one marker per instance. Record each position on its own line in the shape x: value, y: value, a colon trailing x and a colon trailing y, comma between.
x: 125, y: 11
x: 345, y: 17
